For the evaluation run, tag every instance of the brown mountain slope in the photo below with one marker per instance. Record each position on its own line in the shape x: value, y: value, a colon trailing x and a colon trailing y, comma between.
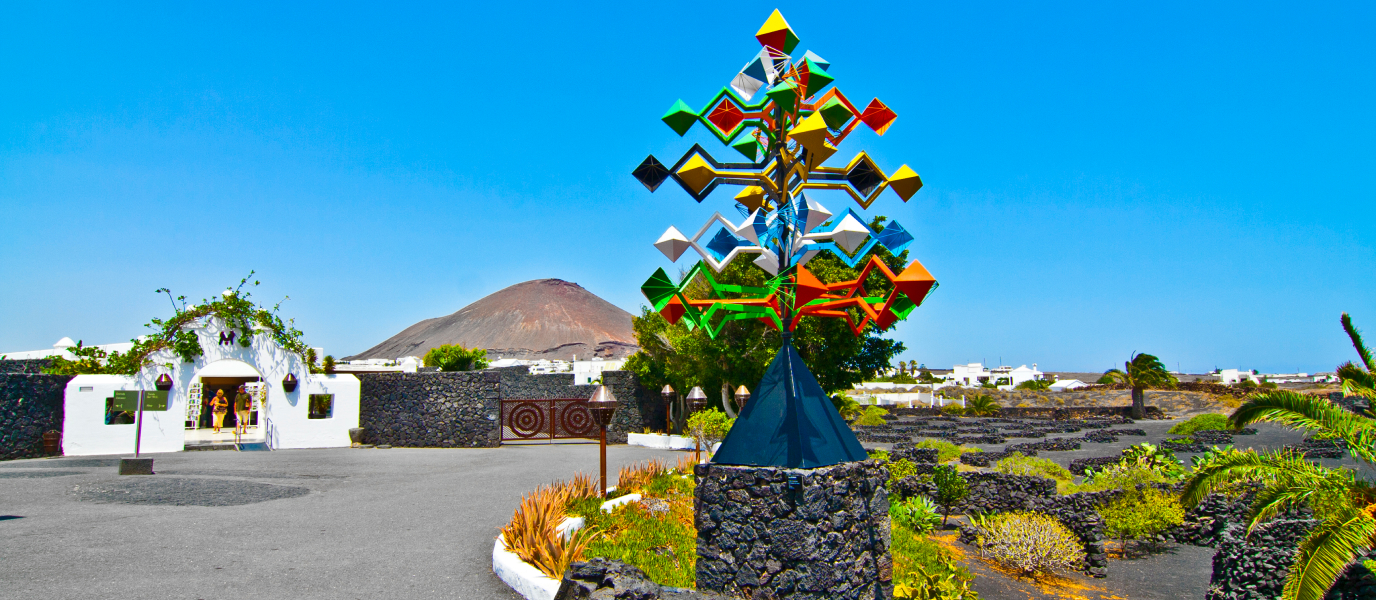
x: 544, y: 318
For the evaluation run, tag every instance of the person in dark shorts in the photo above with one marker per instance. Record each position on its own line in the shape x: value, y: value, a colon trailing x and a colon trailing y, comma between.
x: 243, y: 405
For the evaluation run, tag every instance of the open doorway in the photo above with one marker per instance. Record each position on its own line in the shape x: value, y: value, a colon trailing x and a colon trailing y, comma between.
x: 226, y: 378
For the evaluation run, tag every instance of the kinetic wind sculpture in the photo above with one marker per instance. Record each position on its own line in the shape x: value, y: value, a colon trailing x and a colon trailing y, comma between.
x: 788, y: 135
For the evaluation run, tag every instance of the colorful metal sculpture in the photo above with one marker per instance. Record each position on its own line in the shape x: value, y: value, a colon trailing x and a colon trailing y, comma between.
x: 788, y: 134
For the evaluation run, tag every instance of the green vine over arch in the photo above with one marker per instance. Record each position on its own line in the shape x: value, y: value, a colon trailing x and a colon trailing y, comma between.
x: 235, y: 307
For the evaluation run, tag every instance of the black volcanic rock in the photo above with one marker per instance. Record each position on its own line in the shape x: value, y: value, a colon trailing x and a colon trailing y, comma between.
x: 545, y: 318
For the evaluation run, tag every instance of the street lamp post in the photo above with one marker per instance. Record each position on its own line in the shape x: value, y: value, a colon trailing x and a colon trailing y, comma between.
x: 602, y: 407
x: 742, y: 396
x: 696, y: 401
x: 669, y: 396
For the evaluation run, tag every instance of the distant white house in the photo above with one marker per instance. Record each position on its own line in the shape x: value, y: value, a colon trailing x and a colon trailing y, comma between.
x: 61, y: 349
x: 1232, y: 376
x: 1006, y: 378
x: 1062, y: 385
x: 590, y: 371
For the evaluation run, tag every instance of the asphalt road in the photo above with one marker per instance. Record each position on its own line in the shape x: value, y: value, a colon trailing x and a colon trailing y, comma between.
x: 293, y: 524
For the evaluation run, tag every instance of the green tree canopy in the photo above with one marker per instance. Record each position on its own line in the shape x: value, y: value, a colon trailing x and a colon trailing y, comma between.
x: 454, y: 357
x: 740, y: 354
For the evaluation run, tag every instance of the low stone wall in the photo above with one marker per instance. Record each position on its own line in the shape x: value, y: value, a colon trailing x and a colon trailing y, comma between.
x: 824, y: 536
x: 31, y: 366
x: 29, y: 406
x: 431, y: 410
x: 1033, y: 412
x: 602, y: 578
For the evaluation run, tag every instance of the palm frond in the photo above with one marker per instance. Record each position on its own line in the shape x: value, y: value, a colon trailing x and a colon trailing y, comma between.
x: 1326, y: 551
x: 1300, y: 483
x: 1312, y: 414
x: 1235, y: 466
x: 1358, y: 380
x: 1115, y: 375
x: 1356, y: 336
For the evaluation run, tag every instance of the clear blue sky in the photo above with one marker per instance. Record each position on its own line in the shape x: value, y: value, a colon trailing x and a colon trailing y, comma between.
x: 1189, y: 179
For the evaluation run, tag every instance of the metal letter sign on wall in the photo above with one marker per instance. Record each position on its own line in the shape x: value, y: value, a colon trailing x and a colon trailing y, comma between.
x: 547, y: 419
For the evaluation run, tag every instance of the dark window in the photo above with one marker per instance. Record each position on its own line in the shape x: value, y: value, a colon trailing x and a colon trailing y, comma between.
x: 321, y: 406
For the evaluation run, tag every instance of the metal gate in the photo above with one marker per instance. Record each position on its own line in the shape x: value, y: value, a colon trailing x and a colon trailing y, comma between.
x: 547, y: 419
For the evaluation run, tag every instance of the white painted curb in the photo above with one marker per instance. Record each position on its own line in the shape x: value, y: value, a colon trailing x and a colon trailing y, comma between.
x: 660, y: 441
x: 527, y: 580
x: 612, y: 504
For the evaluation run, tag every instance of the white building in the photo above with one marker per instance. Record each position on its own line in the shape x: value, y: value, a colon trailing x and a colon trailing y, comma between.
x: 1006, y: 378
x: 1062, y: 385
x: 317, y: 412
x: 1231, y: 376
x: 61, y: 349
x: 590, y: 371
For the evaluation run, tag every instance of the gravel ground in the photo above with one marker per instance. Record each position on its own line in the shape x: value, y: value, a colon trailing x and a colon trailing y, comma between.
x: 293, y: 524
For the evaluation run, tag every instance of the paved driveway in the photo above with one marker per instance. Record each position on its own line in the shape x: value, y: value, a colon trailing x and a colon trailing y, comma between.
x: 336, y: 524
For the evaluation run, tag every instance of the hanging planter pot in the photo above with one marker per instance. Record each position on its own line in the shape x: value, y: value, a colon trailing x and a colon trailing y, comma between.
x: 163, y: 383
x: 289, y: 383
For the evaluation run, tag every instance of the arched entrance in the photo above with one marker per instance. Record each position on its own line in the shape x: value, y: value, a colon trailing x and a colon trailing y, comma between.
x: 226, y: 375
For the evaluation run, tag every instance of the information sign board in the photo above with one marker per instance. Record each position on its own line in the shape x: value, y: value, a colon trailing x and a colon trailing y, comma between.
x: 126, y: 400
x: 155, y: 401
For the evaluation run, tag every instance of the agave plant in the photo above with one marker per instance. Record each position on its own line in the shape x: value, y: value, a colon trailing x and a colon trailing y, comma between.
x: 1343, y: 503
x: 1140, y: 372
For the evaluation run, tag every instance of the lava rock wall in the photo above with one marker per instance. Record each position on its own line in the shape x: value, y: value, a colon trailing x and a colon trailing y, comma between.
x: 431, y: 410
x: 463, y: 409
x: 29, y: 406
x: 825, y: 536
x: 31, y: 366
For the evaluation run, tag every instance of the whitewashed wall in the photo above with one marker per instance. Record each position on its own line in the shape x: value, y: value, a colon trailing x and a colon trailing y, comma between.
x: 84, y: 431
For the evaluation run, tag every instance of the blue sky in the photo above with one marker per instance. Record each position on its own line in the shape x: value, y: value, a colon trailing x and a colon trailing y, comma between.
x: 1192, y: 179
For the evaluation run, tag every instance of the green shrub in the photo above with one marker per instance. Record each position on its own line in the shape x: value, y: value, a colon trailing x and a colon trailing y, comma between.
x: 872, y: 415
x: 945, y: 451
x: 879, y: 454
x: 848, y: 408
x: 1118, y: 477
x: 950, y: 489
x: 898, y: 470
x: 918, y: 514
x: 1141, y: 513
x: 1029, y: 543
x: 953, y: 409
x: 1017, y: 464
x: 1154, y: 457
x: 1035, y: 385
x: 923, y: 570
x: 708, y: 426
x: 1209, y: 421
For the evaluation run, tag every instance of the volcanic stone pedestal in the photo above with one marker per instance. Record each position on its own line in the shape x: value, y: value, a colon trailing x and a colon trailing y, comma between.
x: 794, y: 533
x: 135, y: 466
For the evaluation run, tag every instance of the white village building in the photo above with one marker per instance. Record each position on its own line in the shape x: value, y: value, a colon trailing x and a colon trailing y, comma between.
x: 292, y: 407
x: 1006, y: 378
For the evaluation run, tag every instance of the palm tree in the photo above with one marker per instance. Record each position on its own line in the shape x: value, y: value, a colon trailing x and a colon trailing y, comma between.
x: 1141, y: 372
x: 1343, y: 503
x: 982, y: 406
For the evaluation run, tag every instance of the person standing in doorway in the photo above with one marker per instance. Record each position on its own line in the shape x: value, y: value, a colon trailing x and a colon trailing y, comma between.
x: 243, y: 404
x: 219, y: 405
